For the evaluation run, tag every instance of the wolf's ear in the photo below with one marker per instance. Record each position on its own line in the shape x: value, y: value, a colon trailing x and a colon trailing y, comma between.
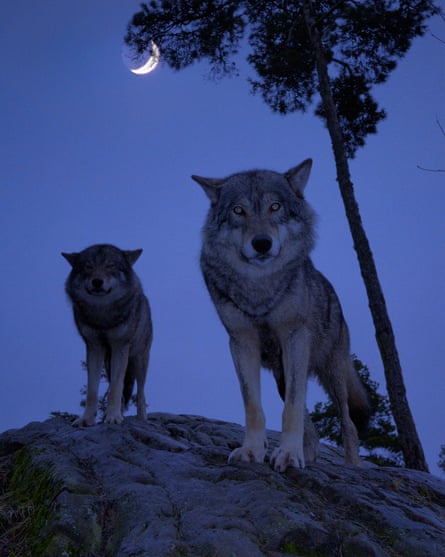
x: 132, y: 256
x: 298, y: 176
x: 211, y: 186
x: 70, y: 257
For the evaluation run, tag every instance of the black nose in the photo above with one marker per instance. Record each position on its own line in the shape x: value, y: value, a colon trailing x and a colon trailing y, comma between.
x: 262, y: 243
x: 97, y: 283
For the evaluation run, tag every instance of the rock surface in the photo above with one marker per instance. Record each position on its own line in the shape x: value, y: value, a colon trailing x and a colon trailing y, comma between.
x: 163, y: 488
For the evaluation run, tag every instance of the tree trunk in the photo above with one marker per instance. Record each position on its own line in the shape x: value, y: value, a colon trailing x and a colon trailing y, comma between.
x: 409, y: 439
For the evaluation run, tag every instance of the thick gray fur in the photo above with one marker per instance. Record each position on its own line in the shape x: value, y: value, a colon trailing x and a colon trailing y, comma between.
x: 279, y: 311
x: 113, y: 317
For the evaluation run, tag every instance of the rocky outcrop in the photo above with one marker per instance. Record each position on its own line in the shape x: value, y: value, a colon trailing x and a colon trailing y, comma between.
x: 163, y: 488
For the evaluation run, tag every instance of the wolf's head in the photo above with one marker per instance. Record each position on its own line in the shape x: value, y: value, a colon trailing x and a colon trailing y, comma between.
x: 99, y: 271
x: 260, y: 216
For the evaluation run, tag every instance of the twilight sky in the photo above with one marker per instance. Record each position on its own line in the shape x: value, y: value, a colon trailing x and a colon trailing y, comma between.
x: 92, y: 153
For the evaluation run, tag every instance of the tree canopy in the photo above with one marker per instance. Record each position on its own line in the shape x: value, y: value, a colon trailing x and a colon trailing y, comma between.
x: 362, y: 42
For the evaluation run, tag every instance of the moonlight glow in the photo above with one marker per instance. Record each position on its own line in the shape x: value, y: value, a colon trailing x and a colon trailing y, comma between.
x: 144, y: 63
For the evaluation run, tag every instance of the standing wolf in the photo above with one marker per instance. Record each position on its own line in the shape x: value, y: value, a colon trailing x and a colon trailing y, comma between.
x: 280, y: 312
x: 113, y: 317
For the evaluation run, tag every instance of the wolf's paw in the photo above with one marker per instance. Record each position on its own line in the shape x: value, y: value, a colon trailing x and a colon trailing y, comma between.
x: 84, y: 421
x: 282, y: 459
x: 247, y: 454
x: 113, y: 418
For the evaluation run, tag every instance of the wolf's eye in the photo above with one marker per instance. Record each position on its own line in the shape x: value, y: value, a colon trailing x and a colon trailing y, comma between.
x: 238, y: 210
x: 275, y: 207
x: 88, y: 267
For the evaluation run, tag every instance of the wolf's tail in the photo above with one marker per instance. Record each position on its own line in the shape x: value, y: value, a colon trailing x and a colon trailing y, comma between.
x: 358, y: 402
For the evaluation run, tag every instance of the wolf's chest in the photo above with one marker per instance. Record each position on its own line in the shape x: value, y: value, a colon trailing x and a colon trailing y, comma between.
x: 94, y: 321
x: 255, y: 298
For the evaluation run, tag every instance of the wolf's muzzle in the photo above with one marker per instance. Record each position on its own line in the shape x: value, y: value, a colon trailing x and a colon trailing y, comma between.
x: 262, y: 243
x: 97, y: 287
x: 97, y: 283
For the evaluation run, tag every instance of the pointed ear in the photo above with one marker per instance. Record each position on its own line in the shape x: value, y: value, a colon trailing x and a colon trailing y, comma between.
x: 298, y: 176
x: 70, y: 257
x: 211, y: 186
x: 132, y: 256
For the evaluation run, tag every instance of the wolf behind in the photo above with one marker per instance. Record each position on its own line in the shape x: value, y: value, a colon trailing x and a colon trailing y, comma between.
x: 113, y: 317
x: 279, y: 311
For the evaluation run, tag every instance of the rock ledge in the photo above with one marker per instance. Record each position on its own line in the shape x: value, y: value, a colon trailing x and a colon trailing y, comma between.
x: 163, y: 488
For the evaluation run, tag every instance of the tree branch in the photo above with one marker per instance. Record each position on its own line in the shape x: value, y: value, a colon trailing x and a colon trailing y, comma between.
x: 430, y: 169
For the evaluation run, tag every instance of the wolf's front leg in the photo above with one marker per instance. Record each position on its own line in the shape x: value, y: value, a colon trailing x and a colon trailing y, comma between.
x: 295, y: 347
x: 246, y: 358
x: 95, y: 361
x: 118, y: 368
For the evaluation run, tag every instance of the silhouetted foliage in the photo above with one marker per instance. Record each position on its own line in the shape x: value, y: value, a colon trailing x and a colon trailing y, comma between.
x: 382, y: 444
x: 441, y: 462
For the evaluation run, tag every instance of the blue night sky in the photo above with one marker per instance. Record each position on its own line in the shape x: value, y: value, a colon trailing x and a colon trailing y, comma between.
x: 92, y: 153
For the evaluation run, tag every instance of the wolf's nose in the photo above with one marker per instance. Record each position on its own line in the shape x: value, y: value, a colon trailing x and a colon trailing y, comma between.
x: 97, y: 283
x: 262, y: 243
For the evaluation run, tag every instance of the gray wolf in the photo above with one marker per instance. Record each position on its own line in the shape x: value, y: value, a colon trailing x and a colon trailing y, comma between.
x: 113, y: 317
x: 279, y: 311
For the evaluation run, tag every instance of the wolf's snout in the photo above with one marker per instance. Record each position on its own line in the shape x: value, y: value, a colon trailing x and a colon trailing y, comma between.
x: 262, y: 243
x: 97, y: 283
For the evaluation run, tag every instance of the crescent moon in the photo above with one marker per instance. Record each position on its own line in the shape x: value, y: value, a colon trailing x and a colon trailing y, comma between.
x: 151, y: 63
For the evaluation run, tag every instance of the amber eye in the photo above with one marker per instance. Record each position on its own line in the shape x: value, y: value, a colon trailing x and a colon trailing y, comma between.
x: 238, y: 210
x: 275, y: 206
